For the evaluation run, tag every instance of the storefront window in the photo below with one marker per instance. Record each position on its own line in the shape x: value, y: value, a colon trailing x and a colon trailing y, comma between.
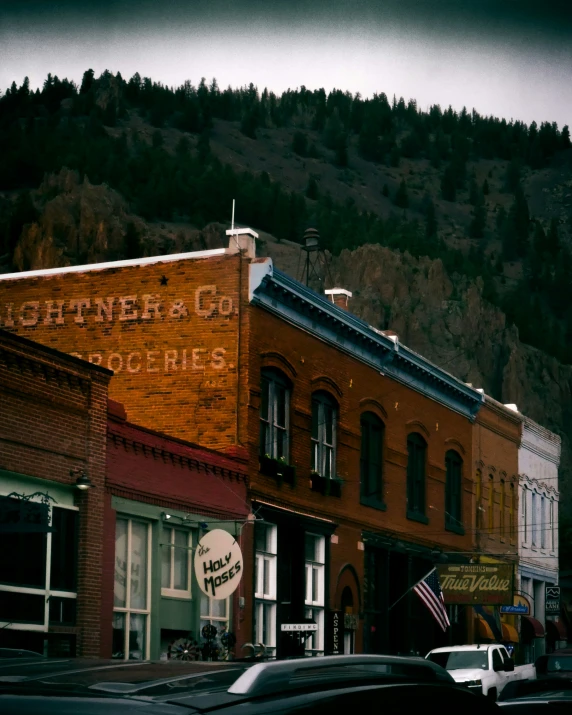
x: 176, y: 563
x: 38, y: 573
x: 131, y: 590
x: 315, y: 548
x: 265, y: 587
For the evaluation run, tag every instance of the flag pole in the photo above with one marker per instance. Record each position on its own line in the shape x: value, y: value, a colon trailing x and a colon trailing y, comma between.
x: 411, y: 587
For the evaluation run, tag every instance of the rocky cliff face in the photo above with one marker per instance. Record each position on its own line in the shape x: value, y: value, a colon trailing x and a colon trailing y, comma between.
x: 440, y: 316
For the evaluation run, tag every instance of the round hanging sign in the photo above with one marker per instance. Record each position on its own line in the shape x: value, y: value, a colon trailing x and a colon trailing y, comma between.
x: 218, y: 564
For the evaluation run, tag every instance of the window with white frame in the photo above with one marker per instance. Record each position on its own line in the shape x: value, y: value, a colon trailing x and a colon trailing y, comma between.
x: 534, y: 518
x: 551, y: 524
x: 543, y: 538
x: 324, y: 418
x: 274, y: 415
x: 315, y: 557
x: 38, y: 571
x: 265, y: 586
x: 214, y: 612
x: 175, y: 562
x: 132, y: 589
x: 524, y: 515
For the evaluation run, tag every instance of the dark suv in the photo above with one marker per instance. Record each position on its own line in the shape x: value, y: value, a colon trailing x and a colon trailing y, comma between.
x: 305, y: 686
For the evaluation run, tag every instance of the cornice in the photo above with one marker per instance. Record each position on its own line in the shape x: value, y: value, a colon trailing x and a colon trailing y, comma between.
x: 306, y: 309
x: 140, y: 447
x: 535, y: 483
x: 49, y: 372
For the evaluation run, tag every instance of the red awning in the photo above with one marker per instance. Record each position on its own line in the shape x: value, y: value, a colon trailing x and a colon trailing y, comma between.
x: 559, y: 630
x: 537, y: 627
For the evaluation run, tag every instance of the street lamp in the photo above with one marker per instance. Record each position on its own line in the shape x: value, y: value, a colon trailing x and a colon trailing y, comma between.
x: 82, y: 482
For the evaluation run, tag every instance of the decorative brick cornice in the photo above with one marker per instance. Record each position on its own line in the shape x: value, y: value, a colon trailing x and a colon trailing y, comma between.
x: 300, y: 306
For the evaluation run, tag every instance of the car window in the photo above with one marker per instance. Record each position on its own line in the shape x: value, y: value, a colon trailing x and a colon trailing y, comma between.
x: 505, y: 656
x: 497, y: 660
x: 461, y: 659
x: 556, y: 663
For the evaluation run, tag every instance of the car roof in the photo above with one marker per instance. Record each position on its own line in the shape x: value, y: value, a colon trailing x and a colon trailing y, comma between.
x: 448, y: 649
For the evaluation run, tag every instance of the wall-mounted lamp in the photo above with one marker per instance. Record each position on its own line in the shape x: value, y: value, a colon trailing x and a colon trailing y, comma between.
x: 82, y: 482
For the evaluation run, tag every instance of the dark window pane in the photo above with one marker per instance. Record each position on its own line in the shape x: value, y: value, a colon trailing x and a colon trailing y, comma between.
x: 23, y: 559
x: 280, y: 418
x: 329, y: 424
x: 64, y: 550
x: 416, y: 473
x: 315, y: 418
x: 62, y: 611
x: 265, y: 387
x: 21, y: 607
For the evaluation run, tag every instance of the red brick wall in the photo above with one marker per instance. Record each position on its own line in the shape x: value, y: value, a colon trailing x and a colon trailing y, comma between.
x: 312, y: 364
x: 173, y: 347
x: 53, y: 413
x: 497, y: 434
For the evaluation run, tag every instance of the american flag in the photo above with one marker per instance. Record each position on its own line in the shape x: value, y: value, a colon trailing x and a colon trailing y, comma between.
x: 429, y: 591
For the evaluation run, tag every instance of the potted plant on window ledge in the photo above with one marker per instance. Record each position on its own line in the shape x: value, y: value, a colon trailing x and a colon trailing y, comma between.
x: 328, y: 486
x: 278, y: 468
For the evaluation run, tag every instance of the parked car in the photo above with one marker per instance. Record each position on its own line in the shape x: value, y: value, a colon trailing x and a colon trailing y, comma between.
x: 555, y: 665
x: 485, y: 669
x: 304, y: 686
x: 552, y: 696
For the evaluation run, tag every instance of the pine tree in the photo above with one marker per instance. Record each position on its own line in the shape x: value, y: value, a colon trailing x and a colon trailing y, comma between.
x: 312, y: 191
x: 553, y: 239
x: 486, y: 188
x: 342, y: 150
x: 385, y: 190
x: 449, y: 184
x: 479, y: 218
x: 430, y: 220
x: 473, y: 193
x: 87, y: 81
x: 300, y: 144
x: 401, y: 199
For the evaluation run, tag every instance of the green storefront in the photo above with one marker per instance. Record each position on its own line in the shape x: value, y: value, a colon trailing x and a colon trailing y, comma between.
x: 160, y: 611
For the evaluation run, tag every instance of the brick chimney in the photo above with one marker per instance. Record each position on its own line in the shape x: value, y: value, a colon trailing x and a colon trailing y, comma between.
x: 242, y: 239
x: 339, y: 296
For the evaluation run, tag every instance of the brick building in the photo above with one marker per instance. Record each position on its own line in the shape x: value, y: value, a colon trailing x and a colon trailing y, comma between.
x: 53, y: 416
x: 496, y: 442
x: 162, y: 495
x: 359, y: 451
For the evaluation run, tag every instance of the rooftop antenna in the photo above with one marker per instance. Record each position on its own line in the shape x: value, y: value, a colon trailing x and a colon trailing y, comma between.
x: 315, y: 269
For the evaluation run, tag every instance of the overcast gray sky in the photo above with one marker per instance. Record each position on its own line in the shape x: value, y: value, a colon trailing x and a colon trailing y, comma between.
x: 511, y: 58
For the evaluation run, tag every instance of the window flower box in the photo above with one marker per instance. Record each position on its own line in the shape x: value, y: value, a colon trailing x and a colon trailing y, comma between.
x: 278, y: 469
x: 328, y: 486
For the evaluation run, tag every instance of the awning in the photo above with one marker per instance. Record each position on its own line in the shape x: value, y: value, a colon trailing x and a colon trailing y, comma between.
x: 509, y: 633
x: 484, y: 629
x: 537, y: 627
x: 557, y: 630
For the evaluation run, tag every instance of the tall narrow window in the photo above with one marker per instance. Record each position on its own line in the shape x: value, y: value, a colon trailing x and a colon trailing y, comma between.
x: 552, y: 545
x: 534, y: 519
x: 175, y: 563
x: 502, y: 523
x: 131, y: 590
x: 265, y: 587
x: 524, y: 515
x: 371, y: 460
x: 324, y: 418
x: 315, y: 590
x: 478, y: 499
x: 512, y: 512
x: 274, y: 415
x: 453, y: 490
x: 542, y: 521
x: 416, y: 457
x: 491, y: 507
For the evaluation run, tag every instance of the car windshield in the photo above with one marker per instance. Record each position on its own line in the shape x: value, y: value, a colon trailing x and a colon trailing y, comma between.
x: 460, y: 660
x: 556, y: 663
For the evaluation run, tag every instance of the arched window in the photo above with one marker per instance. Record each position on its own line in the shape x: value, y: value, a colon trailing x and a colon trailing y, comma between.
x: 416, y: 458
x: 453, y: 490
x: 324, y: 422
x: 274, y: 414
x: 371, y: 465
